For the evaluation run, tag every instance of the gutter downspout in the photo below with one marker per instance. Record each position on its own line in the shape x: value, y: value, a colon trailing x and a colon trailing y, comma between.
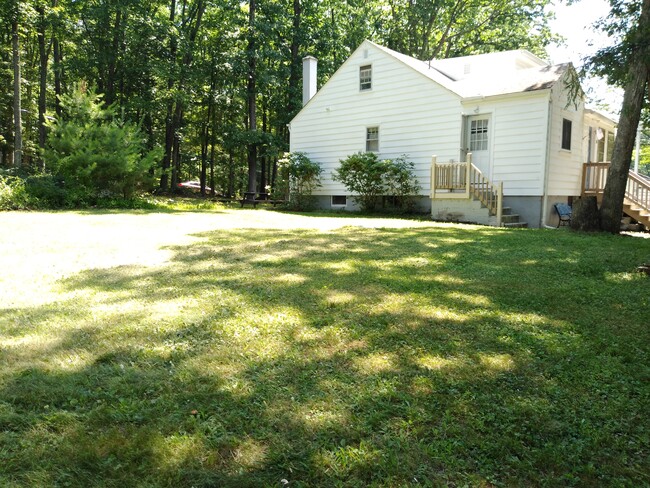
x: 547, y: 163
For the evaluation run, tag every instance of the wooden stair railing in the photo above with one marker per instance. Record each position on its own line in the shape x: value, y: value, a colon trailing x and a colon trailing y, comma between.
x: 464, y: 180
x: 637, y: 190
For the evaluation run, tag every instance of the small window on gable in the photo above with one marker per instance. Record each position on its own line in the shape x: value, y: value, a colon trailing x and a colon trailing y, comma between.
x: 372, y: 139
x: 339, y: 200
x: 365, y: 77
x: 566, y: 134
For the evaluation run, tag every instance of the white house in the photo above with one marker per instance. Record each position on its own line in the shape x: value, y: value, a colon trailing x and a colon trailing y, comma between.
x: 511, y: 110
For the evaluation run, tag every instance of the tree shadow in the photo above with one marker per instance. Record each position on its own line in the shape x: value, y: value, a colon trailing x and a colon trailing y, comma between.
x: 349, y: 358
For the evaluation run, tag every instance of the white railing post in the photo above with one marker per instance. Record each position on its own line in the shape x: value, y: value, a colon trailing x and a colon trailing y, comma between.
x: 433, y: 176
x: 500, y: 204
x: 468, y: 170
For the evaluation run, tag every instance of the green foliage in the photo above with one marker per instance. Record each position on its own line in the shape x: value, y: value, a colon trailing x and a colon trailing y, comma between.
x: 94, y: 151
x: 47, y: 190
x: 368, y: 178
x: 13, y: 195
x: 186, y: 66
x: 401, y: 184
x: 299, y: 176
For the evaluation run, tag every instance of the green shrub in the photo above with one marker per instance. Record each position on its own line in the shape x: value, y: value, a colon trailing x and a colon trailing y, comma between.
x: 47, y: 190
x: 94, y: 151
x: 400, y: 184
x: 378, y: 183
x: 299, y: 176
x: 13, y: 195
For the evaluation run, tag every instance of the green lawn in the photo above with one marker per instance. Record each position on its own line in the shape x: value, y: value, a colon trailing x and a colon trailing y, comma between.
x: 232, y: 348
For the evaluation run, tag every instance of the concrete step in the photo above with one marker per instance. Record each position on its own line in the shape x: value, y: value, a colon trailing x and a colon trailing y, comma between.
x: 510, y: 218
x: 515, y: 225
x: 506, y: 210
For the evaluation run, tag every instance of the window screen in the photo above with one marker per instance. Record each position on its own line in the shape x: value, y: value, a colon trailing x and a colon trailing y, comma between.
x: 365, y: 77
x: 372, y: 139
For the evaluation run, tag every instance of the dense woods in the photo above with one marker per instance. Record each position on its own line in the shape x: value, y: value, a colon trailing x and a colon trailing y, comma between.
x: 213, y: 84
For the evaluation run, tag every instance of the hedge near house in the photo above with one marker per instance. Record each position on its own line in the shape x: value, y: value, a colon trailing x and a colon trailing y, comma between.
x: 378, y: 183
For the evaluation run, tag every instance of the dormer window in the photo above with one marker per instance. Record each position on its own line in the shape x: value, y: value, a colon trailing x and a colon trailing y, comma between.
x: 365, y: 78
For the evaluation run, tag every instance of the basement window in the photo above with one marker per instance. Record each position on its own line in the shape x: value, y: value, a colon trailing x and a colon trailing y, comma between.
x: 566, y: 134
x: 365, y: 77
x: 372, y: 139
x: 339, y: 200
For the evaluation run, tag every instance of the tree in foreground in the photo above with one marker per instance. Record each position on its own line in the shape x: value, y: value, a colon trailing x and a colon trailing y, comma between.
x: 626, y: 64
x: 93, y: 150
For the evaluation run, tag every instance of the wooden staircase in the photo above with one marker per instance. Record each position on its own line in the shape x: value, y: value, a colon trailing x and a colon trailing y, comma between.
x: 464, y: 181
x: 636, y: 204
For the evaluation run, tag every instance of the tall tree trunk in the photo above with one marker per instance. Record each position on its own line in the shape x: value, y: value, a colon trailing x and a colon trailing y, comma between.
x: 114, y: 55
x: 58, y: 76
x: 295, y: 98
x: 18, y: 124
x: 205, y: 142
x: 231, y: 173
x: 42, y: 93
x: 611, y: 209
x: 251, y: 96
x: 170, y: 130
x: 176, y: 148
x: 263, y: 180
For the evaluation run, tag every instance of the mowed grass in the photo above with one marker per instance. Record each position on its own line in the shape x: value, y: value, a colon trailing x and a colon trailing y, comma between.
x: 185, y: 351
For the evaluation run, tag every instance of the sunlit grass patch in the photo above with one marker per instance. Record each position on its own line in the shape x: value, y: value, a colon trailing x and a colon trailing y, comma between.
x: 376, y: 363
x: 435, y: 363
x: 497, y: 362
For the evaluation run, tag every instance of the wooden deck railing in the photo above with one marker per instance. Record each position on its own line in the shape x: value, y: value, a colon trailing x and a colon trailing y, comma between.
x: 464, y: 180
x: 594, y: 177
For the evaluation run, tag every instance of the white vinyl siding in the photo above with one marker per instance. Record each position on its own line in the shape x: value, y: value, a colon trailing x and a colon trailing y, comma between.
x: 415, y: 115
x: 565, y: 166
x: 518, y: 124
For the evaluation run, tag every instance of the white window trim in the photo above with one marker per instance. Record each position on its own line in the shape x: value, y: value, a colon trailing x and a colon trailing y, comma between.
x: 365, y: 137
x: 364, y: 90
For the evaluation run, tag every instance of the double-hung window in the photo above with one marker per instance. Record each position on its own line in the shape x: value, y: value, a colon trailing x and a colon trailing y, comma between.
x: 372, y: 139
x: 365, y: 78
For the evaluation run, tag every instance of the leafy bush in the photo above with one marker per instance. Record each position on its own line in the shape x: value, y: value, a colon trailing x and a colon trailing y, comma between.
x: 369, y: 179
x: 401, y: 184
x: 95, y: 151
x: 13, y: 195
x: 47, y: 190
x: 299, y: 177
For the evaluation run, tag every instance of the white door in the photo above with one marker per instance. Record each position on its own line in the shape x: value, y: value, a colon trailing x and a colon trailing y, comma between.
x: 478, y: 143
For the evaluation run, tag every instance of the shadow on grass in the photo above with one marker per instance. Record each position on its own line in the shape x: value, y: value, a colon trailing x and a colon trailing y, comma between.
x: 351, y: 358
